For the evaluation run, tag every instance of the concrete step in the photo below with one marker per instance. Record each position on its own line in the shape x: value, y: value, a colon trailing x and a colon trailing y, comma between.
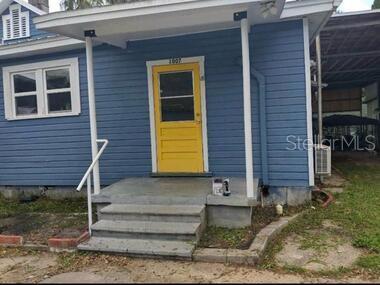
x: 154, y: 213
x: 147, y: 230
x: 140, y: 247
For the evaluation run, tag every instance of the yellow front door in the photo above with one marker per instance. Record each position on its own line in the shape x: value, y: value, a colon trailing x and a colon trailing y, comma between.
x: 178, y: 118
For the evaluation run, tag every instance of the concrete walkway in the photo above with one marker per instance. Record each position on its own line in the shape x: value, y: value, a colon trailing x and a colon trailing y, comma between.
x: 20, y: 267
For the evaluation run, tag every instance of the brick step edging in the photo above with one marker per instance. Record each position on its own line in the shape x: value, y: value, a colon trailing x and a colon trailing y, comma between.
x: 11, y: 240
x: 54, y: 243
x: 57, y: 243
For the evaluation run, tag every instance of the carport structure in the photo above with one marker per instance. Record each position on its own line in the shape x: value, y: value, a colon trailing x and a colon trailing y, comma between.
x: 350, y: 55
x: 350, y: 45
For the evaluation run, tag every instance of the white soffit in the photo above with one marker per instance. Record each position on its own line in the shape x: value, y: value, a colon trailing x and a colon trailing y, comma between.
x: 317, y: 12
x: 118, y: 24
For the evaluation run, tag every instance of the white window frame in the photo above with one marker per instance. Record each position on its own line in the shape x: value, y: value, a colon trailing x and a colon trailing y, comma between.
x: 9, y: 17
x: 40, y: 69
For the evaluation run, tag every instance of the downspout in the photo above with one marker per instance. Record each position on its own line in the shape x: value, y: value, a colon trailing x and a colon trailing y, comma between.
x: 246, y: 65
x: 263, y: 123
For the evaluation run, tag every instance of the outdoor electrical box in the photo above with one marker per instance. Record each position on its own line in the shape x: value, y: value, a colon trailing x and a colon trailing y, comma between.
x: 322, y: 160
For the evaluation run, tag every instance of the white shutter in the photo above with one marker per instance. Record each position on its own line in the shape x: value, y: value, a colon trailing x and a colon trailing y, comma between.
x: 7, y: 31
x: 25, y: 24
x: 16, y: 29
x: 9, y: 28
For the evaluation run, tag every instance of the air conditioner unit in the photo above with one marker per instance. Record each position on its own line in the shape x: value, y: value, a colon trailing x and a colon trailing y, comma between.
x: 322, y: 160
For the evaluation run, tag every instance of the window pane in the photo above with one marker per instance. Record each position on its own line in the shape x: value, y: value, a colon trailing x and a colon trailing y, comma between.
x: 59, y: 101
x: 177, y: 109
x: 25, y: 82
x: 58, y: 78
x: 176, y: 84
x: 26, y: 105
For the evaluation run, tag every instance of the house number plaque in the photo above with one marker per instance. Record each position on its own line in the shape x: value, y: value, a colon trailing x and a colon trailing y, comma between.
x: 175, y: 60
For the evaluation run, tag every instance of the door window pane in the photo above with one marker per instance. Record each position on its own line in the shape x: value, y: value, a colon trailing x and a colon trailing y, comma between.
x: 59, y: 101
x: 177, y: 109
x: 176, y: 84
x: 25, y: 82
x: 26, y: 105
x: 58, y: 78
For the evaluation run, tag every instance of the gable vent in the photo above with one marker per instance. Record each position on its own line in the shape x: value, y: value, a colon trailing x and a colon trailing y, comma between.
x: 16, y: 23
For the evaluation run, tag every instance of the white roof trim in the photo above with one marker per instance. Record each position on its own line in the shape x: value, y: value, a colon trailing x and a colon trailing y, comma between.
x: 117, y: 24
x: 53, y: 44
x: 30, y: 7
x: 356, y: 13
x: 135, y: 9
x: 318, y: 12
x: 120, y: 23
x: 305, y: 7
x: 129, y: 10
x: 4, y: 4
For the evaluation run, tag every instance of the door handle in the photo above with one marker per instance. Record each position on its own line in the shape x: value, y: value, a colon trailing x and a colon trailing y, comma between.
x: 198, y: 118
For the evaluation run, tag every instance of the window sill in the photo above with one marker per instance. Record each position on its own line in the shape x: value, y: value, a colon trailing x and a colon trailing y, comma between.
x: 50, y: 116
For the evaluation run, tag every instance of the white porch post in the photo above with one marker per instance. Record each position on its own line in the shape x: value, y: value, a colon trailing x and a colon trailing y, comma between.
x: 245, y: 28
x: 92, y: 108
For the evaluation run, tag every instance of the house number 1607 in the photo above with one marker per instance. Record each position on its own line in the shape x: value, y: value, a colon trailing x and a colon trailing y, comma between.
x: 175, y: 60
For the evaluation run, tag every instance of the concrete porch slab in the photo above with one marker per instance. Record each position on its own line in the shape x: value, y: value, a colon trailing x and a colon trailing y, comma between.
x: 164, y: 190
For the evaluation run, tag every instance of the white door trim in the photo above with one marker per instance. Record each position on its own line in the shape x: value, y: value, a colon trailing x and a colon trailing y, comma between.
x: 150, y: 64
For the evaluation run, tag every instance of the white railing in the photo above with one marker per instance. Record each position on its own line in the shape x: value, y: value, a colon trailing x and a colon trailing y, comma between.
x: 87, y: 177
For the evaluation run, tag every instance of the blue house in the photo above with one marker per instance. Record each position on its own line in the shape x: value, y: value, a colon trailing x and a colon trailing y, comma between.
x: 165, y: 101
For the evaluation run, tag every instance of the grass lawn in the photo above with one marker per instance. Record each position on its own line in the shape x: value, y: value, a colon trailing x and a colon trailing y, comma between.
x: 44, y: 218
x: 10, y: 208
x: 356, y: 211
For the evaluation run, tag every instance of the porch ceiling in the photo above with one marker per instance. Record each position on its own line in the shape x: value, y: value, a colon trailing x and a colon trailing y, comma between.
x: 118, y: 24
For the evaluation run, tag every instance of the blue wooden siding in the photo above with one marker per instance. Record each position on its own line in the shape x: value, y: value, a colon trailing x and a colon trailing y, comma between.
x: 45, y: 151
x: 34, y: 33
x: 56, y: 151
x: 278, y: 53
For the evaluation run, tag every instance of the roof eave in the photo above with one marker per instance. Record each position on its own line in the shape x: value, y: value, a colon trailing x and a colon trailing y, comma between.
x: 128, y: 10
x: 4, y: 4
x: 307, y: 7
x: 312, y: 10
x: 156, y: 18
x: 45, y: 45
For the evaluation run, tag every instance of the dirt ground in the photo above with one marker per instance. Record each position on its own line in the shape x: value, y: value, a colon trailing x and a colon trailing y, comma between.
x: 37, y: 228
x: 330, y: 253
x: 35, y: 267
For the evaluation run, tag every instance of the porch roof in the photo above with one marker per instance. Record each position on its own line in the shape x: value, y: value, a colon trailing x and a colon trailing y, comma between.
x: 118, y: 24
